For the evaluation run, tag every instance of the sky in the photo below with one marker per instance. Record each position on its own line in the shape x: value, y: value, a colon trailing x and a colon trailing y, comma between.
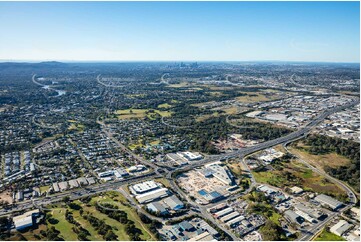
x: 180, y: 31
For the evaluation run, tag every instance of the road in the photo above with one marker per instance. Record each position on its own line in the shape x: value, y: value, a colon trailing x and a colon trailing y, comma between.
x: 162, y: 80
x: 310, y: 234
x: 106, y: 85
x: 76, y: 194
x: 175, y: 126
x: 345, y: 187
x: 125, y: 149
x: 201, y: 209
x: 246, y: 151
x: 98, y: 188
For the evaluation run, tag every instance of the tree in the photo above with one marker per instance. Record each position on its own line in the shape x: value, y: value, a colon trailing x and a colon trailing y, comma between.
x: 110, y: 236
x: 271, y: 231
x: 66, y: 199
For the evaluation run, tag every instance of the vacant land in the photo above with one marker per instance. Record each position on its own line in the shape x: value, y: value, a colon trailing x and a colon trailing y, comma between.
x: 164, y: 105
x: 215, y: 94
x: 237, y: 168
x: 141, y: 144
x: 320, y: 161
x: 249, y: 97
x: 295, y: 173
x: 181, y: 85
x: 141, y: 113
x: 135, y: 95
x: 204, y: 117
x: 328, y: 236
x: 76, y: 126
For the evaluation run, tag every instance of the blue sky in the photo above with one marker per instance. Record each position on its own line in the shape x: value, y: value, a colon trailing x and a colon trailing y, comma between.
x: 225, y: 31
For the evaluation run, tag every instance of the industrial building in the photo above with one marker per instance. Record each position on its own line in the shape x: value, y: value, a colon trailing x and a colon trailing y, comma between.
x: 328, y: 201
x: 223, y: 212
x: 296, y: 190
x: 341, y: 227
x: 82, y: 181
x: 205, y: 236
x: 309, y: 211
x: 222, y: 173
x: 229, y: 217
x: 235, y: 221
x: 293, y: 217
x: 173, y: 203
x: 157, y: 208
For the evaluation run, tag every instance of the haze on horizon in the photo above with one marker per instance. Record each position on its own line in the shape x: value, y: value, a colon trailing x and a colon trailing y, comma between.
x: 180, y: 31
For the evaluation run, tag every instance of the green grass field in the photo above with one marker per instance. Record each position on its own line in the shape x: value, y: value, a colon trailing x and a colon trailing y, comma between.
x: 328, y: 236
x: 164, y: 105
x: 141, y: 113
x: 65, y: 228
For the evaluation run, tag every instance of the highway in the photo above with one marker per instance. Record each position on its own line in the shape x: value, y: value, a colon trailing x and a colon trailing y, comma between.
x: 106, y: 85
x: 247, y: 151
x: 98, y: 188
x: 75, y: 194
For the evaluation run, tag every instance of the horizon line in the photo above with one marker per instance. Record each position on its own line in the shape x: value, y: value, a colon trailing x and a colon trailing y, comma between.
x: 200, y: 61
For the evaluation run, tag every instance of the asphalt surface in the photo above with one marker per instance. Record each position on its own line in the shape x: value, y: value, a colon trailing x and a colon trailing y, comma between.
x: 98, y: 188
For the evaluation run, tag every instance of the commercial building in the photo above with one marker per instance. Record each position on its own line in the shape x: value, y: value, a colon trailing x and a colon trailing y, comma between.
x: 136, y: 168
x: 190, y: 156
x: 177, y: 159
x: 120, y: 172
x: 73, y: 183
x: 328, y: 201
x: 25, y: 220
x: 106, y: 173
x: 152, y: 195
x: 63, y: 186
x: 82, y: 181
x: 56, y: 187
x: 144, y: 187
x: 341, y: 227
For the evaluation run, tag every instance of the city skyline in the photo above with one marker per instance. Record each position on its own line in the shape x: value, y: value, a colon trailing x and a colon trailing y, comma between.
x: 180, y: 31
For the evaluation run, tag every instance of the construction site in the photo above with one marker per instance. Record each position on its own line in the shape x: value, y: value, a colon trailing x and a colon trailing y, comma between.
x: 209, y: 183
